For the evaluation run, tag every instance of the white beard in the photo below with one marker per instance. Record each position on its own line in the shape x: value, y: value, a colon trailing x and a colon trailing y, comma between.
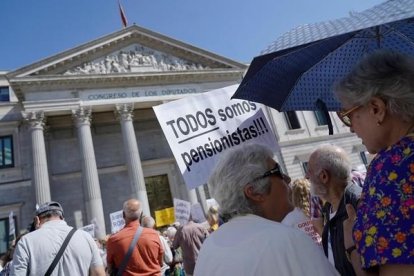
x: 318, y: 191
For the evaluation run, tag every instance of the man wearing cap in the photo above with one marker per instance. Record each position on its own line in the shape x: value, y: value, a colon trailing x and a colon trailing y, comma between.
x: 36, y: 251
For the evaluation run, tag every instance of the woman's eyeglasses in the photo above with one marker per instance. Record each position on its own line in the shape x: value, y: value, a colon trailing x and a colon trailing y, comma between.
x: 345, y: 115
x: 275, y: 171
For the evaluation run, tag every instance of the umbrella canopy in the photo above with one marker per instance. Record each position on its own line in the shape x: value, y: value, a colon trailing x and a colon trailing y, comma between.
x: 298, y: 70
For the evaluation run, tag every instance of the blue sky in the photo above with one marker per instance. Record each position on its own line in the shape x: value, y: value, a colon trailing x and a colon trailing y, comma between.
x: 32, y: 30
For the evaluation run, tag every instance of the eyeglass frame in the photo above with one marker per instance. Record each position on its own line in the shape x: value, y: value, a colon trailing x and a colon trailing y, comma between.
x: 345, y: 114
x: 276, y: 170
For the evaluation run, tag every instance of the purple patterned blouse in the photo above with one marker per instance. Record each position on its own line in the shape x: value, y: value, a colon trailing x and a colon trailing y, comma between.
x: 384, y: 230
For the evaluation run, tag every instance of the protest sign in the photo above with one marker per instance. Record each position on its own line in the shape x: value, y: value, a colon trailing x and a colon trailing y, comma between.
x: 117, y: 221
x: 182, y: 210
x: 200, y: 128
x: 12, y: 228
x: 90, y: 228
x: 211, y: 202
x: 197, y: 213
x: 164, y: 217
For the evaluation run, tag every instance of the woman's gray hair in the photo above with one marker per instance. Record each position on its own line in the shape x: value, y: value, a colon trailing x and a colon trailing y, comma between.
x: 239, y: 167
x: 384, y: 74
x: 334, y: 159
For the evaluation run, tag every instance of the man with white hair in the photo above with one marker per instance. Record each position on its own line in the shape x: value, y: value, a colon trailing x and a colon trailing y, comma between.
x: 147, y: 254
x: 149, y: 222
x: 329, y: 170
x: 253, y: 195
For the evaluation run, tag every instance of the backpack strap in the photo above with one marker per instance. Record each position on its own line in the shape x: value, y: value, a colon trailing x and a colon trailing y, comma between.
x: 60, y: 253
x: 130, y: 249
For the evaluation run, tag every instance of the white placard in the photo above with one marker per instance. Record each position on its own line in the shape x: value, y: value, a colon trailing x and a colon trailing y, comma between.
x: 12, y: 229
x: 202, y: 127
x: 197, y: 213
x: 211, y: 202
x: 117, y: 221
x: 90, y: 228
x: 182, y: 210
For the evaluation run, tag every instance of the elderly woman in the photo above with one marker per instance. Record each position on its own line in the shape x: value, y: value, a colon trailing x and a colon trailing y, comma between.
x: 253, y: 195
x: 378, y: 100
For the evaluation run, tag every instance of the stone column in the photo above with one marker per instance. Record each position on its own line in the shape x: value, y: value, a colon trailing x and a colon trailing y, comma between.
x: 192, y: 196
x: 40, y: 171
x: 133, y: 160
x: 202, y: 196
x: 90, y: 179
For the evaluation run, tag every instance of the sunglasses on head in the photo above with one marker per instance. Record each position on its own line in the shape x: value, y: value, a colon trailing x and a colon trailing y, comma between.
x: 275, y: 171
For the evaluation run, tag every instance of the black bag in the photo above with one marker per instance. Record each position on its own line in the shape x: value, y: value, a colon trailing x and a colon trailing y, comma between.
x: 114, y: 272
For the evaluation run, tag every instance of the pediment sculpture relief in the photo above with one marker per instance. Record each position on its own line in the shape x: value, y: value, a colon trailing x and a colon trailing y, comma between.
x: 135, y: 58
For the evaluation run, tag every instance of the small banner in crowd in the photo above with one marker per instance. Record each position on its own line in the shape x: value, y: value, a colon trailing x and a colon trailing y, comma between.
x: 197, y: 213
x: 12, y: 228
x: 117, y: 221
x: 182, y: 210
x: 164, y: 217
x: 90, y: 228
x: 211, y: 202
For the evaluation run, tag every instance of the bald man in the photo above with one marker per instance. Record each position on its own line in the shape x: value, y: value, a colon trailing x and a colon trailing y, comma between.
x: 329, y: 170
x: 147, y: 256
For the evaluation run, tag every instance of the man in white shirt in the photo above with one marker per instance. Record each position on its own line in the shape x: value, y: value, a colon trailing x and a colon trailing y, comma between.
x: 36, y: 251
x: 253, y: 196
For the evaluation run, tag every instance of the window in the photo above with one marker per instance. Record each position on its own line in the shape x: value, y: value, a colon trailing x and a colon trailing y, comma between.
x: 305, y: 167
x: 6, y: 152
x: 4, y: 94
x: 292, y: 120
x: 5, y: 237
x: 321, y: 118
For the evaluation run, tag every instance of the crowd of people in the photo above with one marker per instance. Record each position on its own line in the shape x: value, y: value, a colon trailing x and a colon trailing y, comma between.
x: 333, y: 222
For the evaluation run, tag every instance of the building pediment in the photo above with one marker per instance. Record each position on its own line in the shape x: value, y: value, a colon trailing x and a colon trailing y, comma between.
x: 135, y: 58
x: 131, y: 50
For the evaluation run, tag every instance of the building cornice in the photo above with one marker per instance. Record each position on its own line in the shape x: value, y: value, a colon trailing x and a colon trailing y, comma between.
x: 310, y: 140
x: 60, y: 82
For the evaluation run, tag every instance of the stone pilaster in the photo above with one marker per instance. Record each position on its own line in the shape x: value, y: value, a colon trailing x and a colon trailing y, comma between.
x: 90, y: 179
x: 40, y: 171
x: 133, y: 160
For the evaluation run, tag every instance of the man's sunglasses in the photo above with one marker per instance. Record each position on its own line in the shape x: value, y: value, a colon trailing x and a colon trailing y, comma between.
x: 275, y: 171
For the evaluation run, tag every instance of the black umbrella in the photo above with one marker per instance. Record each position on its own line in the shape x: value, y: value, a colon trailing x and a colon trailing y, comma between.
x: 298, y: 70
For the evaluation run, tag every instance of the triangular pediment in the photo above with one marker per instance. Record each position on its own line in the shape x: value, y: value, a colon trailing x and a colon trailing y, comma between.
x: 135, y: 58
x: 131, y: 50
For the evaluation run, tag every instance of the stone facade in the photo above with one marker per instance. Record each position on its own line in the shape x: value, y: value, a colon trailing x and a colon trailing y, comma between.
x: 84, y: 132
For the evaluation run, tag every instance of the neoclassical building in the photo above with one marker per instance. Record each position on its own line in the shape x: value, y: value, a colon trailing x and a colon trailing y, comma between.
x: 78, y: 127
